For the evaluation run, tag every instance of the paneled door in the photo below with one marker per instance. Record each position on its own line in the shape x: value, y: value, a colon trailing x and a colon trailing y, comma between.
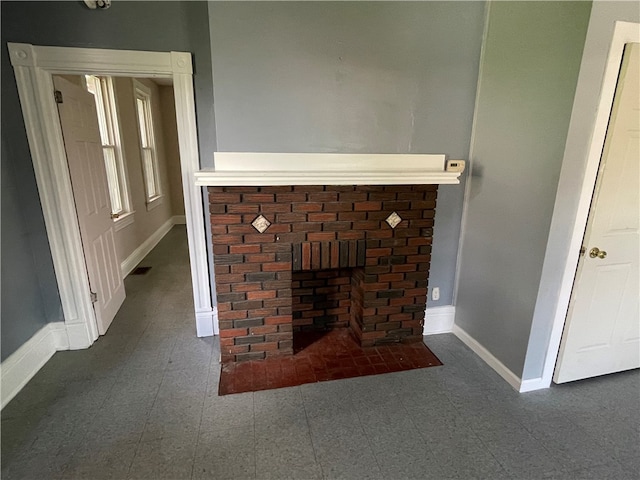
x: 602, y: 331
x: 79, y: 122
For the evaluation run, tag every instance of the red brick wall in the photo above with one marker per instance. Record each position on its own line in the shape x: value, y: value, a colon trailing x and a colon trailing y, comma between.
x: 254, y: 271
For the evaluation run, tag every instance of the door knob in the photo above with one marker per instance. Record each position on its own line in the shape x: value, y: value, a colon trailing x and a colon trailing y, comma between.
x: 596, y: 252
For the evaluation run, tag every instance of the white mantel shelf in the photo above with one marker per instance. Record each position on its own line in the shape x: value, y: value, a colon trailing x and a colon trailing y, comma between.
x: 265, y: 169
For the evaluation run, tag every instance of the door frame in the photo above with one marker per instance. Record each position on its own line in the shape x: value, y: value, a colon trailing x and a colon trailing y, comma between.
x: 34, y: 67
x: 623, y: 33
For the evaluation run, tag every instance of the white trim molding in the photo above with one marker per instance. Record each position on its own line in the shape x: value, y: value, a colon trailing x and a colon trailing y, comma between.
x: 34, y: 67
x: 623, y: 33
x: 532, y: 384
x: 439, y: 320
x: 260, y: 169
x: 500, y: 368
x: 207, y: 323
x: 20, y: 367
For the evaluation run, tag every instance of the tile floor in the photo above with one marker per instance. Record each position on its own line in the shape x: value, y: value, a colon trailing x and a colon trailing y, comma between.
x: 142, y: 404
x: 322, y: 356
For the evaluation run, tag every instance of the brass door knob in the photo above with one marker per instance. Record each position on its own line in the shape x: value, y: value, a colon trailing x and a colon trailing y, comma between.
x: 596, y: 252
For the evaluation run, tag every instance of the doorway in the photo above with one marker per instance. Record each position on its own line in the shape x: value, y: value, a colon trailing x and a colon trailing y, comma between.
x: 126, y: 178
x: 601, y: 334
x: 577, y: 182
x: 34, y: 67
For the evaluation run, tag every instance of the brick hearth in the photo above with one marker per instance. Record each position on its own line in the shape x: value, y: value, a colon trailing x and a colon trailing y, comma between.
x: 328, y: 259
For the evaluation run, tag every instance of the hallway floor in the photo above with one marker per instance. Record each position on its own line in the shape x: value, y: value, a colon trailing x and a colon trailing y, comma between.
x: 142, y: 403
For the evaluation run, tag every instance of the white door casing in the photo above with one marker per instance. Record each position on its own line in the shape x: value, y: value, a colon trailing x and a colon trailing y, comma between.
x: 33, y: 68
x: 602, y: 331
x: 79, y: 122
x: 578, y: 177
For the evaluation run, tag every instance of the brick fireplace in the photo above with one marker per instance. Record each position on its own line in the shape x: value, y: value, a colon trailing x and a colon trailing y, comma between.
x: 295, y: 258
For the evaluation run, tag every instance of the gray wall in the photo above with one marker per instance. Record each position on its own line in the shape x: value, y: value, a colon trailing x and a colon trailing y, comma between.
x: 376, y: 77
x: 29, y: 294
x: 29, y: 290
x: 596, y: 48
x: 528, y: 78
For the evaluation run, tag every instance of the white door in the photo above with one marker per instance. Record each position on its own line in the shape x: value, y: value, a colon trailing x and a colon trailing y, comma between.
x: 90, y: 190
x: 602, y: 331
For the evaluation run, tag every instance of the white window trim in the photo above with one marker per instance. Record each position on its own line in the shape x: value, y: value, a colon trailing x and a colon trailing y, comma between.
x: 142, y: 92
x: 125, y: 216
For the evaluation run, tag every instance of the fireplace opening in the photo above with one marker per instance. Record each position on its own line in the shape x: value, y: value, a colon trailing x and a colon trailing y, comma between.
x: 323, y: 301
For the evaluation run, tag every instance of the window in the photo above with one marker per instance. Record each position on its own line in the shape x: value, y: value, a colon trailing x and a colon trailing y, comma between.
x: 147, y: 144
x: 102, y: 90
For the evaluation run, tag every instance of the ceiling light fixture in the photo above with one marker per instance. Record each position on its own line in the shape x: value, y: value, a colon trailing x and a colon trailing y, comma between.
x: 97, y: 4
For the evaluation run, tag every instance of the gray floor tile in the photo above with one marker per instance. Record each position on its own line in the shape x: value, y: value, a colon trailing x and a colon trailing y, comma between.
x: 282, y: 407
x: 521, y: 455
x: 608, y: 471
x: 188, y: 382
x: 413, y: 464
x: 166, y: 458
x: 285, y: 453
x: 132, y: 388
x: 397, y: 445
x: 18, y: 433
x: 142, y: 401
x: 32, y: 465
x: 631, y: 465
x: 226, y: 454
x: 571, y: 445
x: 117, y: 424
x: 189, y: 361
x: 323, y: 399
x: 213, y: 382
x: 90, y: 462
x: 462, y: 455
x: 229, y: 411
x: 342, y: 448
x: 168, y: 419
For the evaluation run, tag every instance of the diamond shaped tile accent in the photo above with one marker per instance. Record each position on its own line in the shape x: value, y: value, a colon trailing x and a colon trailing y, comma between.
x: 260, y: 223
x: 393, y: 220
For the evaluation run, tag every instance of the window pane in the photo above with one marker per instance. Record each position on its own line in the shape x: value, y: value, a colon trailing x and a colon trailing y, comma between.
x: 102, y: 117
x: 108, y: 103
x: 142, y: 121
x: 112, y: 179
x: 91, y: 84
x: 150, y: 176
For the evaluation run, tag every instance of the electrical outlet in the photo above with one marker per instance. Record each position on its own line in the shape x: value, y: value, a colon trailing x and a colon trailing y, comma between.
x: 435, y: 294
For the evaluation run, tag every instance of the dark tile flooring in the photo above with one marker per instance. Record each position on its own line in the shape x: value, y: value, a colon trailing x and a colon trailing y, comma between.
x: 322, y: 356
x: 142, y: 403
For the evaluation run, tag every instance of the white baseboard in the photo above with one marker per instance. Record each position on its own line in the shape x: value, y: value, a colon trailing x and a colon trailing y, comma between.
x: 143, y: 250
x: 77, y: 336
x: 207, y: 323
x: 179, y: 219
x: 439, y: 320
x: 60, y: 335
x: 24, y: 363
x: 533, y: 384
x: 488, y: 357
